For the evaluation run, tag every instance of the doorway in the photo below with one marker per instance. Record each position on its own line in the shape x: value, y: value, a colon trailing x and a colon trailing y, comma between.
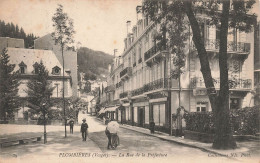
x: 141, y: 117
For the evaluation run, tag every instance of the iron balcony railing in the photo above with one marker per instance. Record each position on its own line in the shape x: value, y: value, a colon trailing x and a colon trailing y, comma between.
x: 110, y: 88
x: 137, y: 92
x: 157, y: 84
x: 154, y: 85
x: 119, y: 84
x: 213, y: 44
x: 198, y: 82
x: 123, y: 95
x: 126, y: 71
x: 153, y: 50
x: 139, y: 60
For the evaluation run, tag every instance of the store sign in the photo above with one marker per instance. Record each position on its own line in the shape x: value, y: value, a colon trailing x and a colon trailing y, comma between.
x: 199, y: 91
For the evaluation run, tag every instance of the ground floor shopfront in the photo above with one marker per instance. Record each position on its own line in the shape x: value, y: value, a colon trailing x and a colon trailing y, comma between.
x: 159, y: 107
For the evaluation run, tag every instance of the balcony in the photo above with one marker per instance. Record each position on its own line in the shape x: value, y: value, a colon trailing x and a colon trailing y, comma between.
x: 232, y: 47
x: 126, y: 73
x: 157, y: 84
x: 119, y: 84
x: 110, y: 88
x: 139, y: 60
x: 123, y: 95
x: 137, y: 92
x: 198, y: 82
x: 154, y: 54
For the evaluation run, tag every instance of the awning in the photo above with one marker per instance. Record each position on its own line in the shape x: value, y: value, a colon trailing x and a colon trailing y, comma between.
x: 111, y: 108
x: 102, y: 110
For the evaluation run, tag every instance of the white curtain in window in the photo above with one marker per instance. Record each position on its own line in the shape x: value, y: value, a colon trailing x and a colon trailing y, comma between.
x: 147, y: 114
x: 156, y: 114
x: 127, y: 113
x: 119, y: 115
x: 162, y: 114
x: 135, y: 114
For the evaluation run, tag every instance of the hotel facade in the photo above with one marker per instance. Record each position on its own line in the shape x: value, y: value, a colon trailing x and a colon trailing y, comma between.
x: 140, y: 87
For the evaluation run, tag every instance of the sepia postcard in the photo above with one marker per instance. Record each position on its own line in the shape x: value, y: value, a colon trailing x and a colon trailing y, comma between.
x: 129, y: 81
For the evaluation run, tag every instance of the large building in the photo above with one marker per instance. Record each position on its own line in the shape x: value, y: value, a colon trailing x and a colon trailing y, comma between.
x: 140, y: 79
x: 70, y: 58
x: 25, y: 61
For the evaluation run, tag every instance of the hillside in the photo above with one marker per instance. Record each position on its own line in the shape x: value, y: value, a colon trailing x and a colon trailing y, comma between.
x: 93, y: 63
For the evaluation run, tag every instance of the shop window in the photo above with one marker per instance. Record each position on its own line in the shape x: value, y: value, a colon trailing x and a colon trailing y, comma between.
x: 201, y: 107
x: 159, y: 114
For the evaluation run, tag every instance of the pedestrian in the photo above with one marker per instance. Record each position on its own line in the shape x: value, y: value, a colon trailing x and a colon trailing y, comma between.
x: 71, y: 123
x: 84, y: 129
x: 111, y: 132
x: 152, y: 125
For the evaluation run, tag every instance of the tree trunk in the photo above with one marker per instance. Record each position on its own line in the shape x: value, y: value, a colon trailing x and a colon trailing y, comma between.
x: 223, y: 134
x: 220, y: 104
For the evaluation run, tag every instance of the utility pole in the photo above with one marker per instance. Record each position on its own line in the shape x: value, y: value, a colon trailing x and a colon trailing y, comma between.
x: 44, y: 123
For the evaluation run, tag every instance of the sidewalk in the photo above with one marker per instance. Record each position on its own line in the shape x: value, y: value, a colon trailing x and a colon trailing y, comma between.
x: 246, y: 149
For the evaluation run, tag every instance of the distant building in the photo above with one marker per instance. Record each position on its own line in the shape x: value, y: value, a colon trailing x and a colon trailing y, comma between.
x: 96, y: 84
x: 70, y: 58
x: 82, y: 81
x: 11, y: 42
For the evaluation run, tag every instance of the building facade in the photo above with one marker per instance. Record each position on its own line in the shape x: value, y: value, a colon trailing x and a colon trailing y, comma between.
x: 140, y: 79
x: 70, y: 58
x: 25, y: 61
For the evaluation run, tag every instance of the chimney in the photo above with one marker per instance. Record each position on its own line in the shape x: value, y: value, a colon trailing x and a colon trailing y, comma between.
x: 128, y: 24
x: 138, y: 12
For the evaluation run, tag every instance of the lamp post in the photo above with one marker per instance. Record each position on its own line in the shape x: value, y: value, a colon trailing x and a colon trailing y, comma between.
x: 44, y: 107
x: 44, y: 122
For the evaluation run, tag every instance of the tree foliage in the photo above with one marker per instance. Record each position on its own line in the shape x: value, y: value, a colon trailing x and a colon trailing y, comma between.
x: 9, y: 84
x: 176, y: 16
x: 64, y: 29
x: 14, y: 31
x: 39, y: 90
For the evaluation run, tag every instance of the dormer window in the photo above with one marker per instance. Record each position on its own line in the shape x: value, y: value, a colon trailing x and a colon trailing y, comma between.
x: 36, y: 68
x: 22, y: 68
x: 56, y: 70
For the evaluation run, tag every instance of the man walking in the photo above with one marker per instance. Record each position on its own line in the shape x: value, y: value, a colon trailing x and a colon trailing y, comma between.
x: 71, y: 123
x: 84, y: 129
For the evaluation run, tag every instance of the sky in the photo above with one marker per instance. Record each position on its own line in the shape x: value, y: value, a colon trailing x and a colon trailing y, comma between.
x: 99, y: 24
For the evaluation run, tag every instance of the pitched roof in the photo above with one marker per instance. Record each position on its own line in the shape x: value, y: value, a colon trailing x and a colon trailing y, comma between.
x: 30, y: 56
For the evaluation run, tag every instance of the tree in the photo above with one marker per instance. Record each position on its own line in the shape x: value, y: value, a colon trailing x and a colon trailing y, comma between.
x: 63, y: 36
x: 9, y: 84
x: 173, y: 18
x: 39, y: 92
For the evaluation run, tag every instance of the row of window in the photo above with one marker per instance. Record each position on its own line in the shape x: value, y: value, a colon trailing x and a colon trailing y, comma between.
x: 23, y: 69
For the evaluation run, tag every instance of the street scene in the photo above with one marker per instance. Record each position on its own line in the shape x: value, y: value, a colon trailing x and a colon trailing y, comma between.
x: 129, y: 81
